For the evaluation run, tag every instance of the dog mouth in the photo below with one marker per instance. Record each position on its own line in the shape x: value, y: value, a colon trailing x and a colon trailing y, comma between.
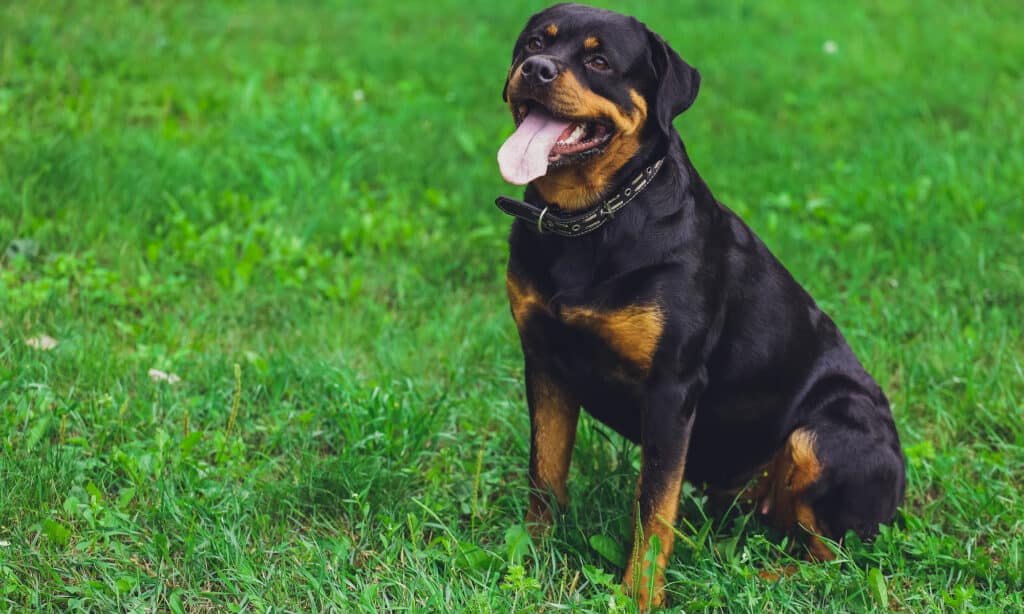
x: 545, y: 139
x: 580, y: 138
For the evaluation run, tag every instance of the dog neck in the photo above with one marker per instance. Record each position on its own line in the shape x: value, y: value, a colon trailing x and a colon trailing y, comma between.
x: 671, y: 187
x: 578, y: 188
x: 579, y: 223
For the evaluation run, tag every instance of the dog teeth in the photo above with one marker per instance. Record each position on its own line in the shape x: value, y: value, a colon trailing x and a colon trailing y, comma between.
x: 573, y: 137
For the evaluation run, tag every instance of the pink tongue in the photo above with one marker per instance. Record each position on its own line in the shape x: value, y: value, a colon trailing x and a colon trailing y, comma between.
x: 524, y: 156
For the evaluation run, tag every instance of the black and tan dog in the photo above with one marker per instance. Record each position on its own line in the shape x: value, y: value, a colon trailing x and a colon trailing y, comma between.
x: 641, y: 298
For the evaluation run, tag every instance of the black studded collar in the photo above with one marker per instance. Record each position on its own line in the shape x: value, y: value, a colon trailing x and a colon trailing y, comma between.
x: 544, y: 220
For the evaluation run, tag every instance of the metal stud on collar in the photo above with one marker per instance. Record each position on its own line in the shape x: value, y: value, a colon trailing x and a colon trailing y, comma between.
x: 540, y: 228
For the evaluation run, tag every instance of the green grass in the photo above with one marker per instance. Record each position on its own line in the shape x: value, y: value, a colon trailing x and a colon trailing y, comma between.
x: 304, y: 190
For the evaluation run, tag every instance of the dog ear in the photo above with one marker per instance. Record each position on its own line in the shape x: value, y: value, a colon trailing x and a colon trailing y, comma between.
x: 678, y: 82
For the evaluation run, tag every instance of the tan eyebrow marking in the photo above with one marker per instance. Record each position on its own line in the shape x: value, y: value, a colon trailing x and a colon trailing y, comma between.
x: 551, y: 30
x: 591, y: 43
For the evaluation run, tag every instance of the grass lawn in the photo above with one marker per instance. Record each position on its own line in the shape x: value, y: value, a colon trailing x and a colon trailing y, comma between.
x: 288, y: 205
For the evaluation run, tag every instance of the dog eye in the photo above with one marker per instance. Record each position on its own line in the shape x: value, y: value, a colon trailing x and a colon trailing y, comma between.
x: 535, y: 44
x: 598, y: 63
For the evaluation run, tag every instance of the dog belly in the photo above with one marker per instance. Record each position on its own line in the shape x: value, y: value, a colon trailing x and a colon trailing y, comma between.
x: 613, y: 398
x: 616, y: 407
x: 720, y: 455
x: 727, y: 445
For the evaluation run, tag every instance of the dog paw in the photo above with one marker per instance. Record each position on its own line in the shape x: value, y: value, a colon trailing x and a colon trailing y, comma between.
x: 648, y: 595
x: 538, y: 521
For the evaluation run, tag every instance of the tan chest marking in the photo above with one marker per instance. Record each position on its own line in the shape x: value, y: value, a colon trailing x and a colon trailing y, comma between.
x: 523, y: 299
x: 632, y: 332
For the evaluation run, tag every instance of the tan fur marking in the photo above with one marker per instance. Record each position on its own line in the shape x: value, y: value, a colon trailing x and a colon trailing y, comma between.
x: 581, y: 185
x: 632, y: 332
x: 515, y: 81
x: 806, y: 520
x: 794, y: 468
x: 523, y: 299
x: 787, y: 477
x: 555, y: 415
x: 806, y: 468
x: 778, y: 490
x: 591, y: 43
x: 638, y: 581
x: 551, y: 30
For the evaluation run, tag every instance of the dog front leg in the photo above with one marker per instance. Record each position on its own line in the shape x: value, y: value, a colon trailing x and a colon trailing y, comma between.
x: 554, y: 413
x: 668, y: 423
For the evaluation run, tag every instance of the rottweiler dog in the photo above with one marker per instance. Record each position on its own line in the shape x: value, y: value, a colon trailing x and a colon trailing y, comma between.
x: 644, y: 300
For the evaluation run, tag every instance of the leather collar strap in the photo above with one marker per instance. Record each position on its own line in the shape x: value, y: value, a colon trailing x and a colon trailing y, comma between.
x: 544, y: 220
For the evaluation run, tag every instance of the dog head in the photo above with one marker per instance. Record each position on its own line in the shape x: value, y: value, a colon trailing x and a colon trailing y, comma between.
x: 589, y: 90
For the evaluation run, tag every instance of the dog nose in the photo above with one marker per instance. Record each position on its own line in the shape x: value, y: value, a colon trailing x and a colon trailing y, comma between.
x: 539, y: 70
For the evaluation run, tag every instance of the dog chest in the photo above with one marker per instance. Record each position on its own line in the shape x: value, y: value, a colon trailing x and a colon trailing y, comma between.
x: 631, y: 333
